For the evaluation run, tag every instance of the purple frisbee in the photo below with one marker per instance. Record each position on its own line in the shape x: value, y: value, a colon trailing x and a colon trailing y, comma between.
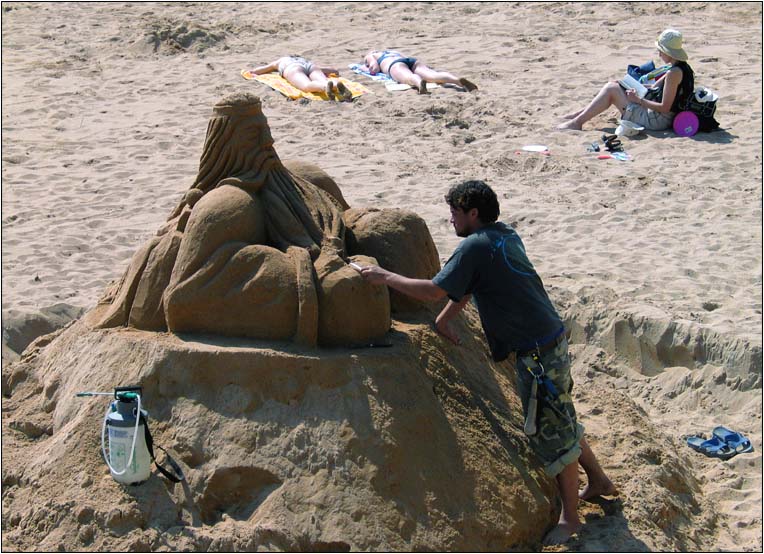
x: 685, y: 124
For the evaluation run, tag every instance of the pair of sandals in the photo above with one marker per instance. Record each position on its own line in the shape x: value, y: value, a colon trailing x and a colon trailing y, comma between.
x: 612, y: 143
x: 724, y: 443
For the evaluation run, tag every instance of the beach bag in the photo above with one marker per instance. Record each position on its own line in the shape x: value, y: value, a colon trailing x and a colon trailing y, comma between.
x: 703, y: 104
x: 638, y: 71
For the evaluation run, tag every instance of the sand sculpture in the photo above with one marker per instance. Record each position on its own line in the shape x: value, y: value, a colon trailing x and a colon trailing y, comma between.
x: 255, y: 249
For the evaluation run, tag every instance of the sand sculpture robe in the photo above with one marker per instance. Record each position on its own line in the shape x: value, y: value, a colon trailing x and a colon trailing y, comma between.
x: 252, y: 250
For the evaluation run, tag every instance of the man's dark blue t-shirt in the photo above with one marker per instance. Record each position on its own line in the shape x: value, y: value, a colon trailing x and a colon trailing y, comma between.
x: 514, y: 308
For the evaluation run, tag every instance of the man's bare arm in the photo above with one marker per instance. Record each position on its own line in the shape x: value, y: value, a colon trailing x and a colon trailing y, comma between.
x: 421, y: 289
x: 449, y: 312
x: 263, y: 69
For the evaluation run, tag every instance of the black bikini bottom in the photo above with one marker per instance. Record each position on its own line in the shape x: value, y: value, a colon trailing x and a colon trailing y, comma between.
x: 408, y: 61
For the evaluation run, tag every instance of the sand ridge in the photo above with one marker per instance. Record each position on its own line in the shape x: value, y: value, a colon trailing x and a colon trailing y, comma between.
x: 104, y: 110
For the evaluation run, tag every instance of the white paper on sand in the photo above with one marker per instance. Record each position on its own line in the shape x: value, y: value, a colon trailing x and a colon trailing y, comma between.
x: 535, y: 148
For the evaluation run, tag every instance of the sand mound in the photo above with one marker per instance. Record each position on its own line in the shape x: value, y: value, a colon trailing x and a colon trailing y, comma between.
x: 169, y: 37
x: 20, y: 328
x: 648, y: 340
x: 661, y: 497
x: 399, y: 448
x: 645, y: 382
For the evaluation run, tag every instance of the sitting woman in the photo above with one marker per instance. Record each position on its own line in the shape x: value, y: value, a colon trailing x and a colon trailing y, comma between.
x: 410, y: 71
x: 663, y: 100
x: 307, y: 76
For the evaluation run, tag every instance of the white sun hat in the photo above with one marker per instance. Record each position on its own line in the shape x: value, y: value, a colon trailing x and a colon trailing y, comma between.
x: 670, y: 43
x: 628, y: 128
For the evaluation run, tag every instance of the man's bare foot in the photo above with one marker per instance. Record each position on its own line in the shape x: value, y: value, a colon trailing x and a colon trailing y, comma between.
x: 422, y: 87
x: 570, y: 126
x: 344, y: 92
x: 604, y: 488
x: 561, y: 533
x: 469, y: 85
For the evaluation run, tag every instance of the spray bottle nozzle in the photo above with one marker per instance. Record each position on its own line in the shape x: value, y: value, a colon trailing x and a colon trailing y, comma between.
x: 127, y: 394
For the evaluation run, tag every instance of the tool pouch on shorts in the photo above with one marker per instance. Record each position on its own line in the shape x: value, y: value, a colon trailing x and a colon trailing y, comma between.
x: 530, y: 420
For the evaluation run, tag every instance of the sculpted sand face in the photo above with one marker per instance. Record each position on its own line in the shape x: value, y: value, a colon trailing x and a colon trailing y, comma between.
x: 255, y: 250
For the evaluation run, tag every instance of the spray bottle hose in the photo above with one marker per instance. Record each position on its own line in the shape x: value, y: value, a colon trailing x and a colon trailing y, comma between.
x: 135, y: 436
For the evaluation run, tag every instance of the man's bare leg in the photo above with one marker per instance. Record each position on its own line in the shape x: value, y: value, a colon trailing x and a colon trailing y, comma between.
x: 598, y: 483
x: 568, y: 523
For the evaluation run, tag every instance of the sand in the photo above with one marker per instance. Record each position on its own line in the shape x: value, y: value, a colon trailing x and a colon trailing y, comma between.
x: 656, y: 262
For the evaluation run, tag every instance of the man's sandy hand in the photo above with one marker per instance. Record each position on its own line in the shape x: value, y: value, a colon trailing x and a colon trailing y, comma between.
x: 445, y: 329
x: 374, y: 274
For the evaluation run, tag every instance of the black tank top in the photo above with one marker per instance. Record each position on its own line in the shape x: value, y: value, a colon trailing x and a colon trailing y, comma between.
x: 683, y: 92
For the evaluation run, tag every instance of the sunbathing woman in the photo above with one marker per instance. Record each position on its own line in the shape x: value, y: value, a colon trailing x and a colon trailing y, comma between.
x: 663, y: 100
x: 410, y: 71
x: 307, y: 76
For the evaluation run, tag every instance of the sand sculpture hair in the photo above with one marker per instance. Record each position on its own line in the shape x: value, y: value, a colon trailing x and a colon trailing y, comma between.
x: 256, y: 250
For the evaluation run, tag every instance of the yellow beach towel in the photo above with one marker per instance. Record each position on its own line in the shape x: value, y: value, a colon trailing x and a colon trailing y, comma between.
x: 278, y: 83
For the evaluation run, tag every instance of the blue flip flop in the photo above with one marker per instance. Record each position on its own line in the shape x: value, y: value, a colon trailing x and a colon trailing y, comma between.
x: 713, y: 447
x: 733, y: 439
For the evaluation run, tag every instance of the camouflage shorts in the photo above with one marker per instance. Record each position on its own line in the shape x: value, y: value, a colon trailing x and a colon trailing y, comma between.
x: 557, y: 439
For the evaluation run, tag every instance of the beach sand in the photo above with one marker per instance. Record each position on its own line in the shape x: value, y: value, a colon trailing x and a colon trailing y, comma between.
x: 656, y: 263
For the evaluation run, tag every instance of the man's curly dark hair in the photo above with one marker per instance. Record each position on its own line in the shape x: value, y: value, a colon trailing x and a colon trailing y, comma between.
x: 475, y: 194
